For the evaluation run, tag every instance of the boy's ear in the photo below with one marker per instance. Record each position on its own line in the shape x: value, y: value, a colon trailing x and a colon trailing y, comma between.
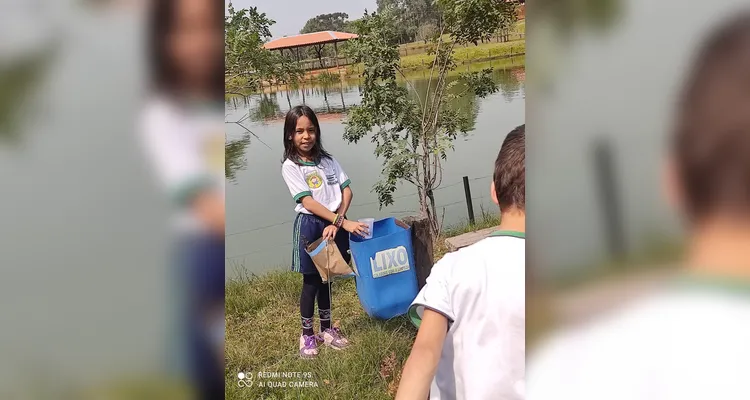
x: 493, y: 194
x: 671, y: 188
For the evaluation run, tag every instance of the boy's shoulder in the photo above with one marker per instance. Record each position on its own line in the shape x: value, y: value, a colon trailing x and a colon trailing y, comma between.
x: 503, y: 255
x: 491, y: 248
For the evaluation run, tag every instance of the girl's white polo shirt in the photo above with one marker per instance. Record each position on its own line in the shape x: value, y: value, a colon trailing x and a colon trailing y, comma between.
x: 186, y: 147
x: 323, y: 180
x: 481, y: 290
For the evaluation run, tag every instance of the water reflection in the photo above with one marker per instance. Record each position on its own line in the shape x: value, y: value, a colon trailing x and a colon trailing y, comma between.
x: 330, y: 103
x: 234, y: 156
x: 267, y: 107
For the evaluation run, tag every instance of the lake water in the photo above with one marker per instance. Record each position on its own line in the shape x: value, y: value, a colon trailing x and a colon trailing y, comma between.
x: 260, y: 209
x: 620, y: 86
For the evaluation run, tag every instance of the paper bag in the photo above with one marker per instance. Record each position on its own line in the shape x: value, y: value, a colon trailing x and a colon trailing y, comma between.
x: 328, y: 259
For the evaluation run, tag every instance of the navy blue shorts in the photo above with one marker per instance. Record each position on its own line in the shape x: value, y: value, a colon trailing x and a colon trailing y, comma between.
x: 200, y: 283
x: 307, y: 229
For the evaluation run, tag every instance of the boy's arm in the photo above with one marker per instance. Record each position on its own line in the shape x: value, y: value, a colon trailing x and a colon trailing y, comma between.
x: 423, y: 361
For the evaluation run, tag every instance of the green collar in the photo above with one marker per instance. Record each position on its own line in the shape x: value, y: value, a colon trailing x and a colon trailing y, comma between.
x: 714, y: 283
x: 308, y: 163
x: 515, y: 234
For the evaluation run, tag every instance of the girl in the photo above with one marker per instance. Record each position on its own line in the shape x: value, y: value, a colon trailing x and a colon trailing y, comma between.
x: 183, y: 133
x: 320, y: 187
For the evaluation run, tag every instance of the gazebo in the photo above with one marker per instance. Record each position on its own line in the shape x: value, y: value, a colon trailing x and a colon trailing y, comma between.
x: 316, y: 39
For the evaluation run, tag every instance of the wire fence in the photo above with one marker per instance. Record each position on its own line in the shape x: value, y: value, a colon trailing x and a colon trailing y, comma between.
x: 355, y: 206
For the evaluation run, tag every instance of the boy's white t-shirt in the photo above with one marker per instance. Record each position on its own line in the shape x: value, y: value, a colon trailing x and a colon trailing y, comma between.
x: 481, y: 290
x: 323, y: 181
x: 682, y: 344
x: 186, y: 147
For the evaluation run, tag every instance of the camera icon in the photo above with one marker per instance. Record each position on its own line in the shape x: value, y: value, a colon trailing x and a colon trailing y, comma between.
x: 244, y: 380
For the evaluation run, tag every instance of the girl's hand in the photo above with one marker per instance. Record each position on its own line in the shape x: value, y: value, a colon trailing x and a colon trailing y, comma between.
x: 330, y: 232
x: 357, y: 228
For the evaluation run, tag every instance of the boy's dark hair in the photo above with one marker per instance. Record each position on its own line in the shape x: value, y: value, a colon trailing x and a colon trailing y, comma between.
x: 290, y: 128
x: 510, y: 170
x: 711, y: 142
x: 165, y: 75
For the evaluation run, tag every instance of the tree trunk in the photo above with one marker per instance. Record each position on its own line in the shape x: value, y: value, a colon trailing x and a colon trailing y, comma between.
x: 433, y: 210
x: 422, y: 243
x: 422, y: 201
x: 319, y: 52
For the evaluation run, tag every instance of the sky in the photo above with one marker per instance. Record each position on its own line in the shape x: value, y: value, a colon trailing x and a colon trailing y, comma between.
x: 291, y: 15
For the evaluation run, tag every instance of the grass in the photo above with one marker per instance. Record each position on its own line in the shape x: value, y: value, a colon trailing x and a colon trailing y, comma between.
x: 327, y: 78
x: 421, y: 46
x: 465, y: 54
x: 262, y: 322
x: 485, y: 219
x: 262, y: 333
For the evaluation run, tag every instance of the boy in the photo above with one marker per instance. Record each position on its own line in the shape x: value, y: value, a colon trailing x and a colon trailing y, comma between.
x: 471, y: 312
x: 691, y: 342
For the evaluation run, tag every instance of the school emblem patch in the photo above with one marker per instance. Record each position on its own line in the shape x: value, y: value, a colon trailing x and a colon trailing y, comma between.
x: 314, y: 180
x: 214, y: 152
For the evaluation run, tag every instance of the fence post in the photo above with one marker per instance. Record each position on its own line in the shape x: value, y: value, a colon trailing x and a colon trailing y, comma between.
x: 604, y: 168
x: 469, y: 205
x: 422, y: 244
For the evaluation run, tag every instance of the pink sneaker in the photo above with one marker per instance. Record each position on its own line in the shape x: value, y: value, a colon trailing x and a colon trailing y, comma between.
x: 333, y: 338
x: 308, y: 346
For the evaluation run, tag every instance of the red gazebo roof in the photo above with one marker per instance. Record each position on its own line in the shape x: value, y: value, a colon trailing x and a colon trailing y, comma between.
x: 308, y: 39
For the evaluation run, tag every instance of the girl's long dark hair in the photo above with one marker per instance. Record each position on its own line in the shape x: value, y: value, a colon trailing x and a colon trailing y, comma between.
x: 165, y: 77
x: 290, y: 129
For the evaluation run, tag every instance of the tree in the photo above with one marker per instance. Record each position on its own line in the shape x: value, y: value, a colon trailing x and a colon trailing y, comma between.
x: 426, y: 32
x: 245, y: 32
x: 326, y: 22
x: 410, y: 15
x: 413, y: 130
x: 351, y: 26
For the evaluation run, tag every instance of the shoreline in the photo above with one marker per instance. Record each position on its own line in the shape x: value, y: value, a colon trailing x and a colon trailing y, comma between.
x: 351, y: 79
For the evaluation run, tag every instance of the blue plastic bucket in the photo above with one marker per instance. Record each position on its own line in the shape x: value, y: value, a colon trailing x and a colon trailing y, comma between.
x: 386, y: 276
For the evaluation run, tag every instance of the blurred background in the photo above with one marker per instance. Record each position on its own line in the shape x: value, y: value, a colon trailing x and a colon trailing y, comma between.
x: 603, y: 79
x: 84, y: 235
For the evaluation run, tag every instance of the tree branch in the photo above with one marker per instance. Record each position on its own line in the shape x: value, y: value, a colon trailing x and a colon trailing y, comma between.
x: 432, y: 70
x: 411, y: 86
x: 250, y: 132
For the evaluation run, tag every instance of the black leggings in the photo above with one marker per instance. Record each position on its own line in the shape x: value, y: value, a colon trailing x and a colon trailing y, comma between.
x: 312, y: 286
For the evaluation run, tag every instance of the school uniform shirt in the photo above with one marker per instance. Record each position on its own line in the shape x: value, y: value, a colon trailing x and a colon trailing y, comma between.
x: 481, y: 290
x: 323, y: 180
x: 689, y: 342
x: 186, y: 147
